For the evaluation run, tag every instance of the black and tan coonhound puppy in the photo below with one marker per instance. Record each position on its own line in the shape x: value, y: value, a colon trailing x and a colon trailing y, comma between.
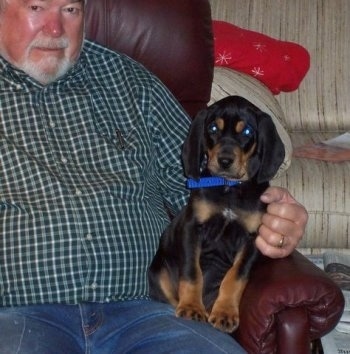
x: 206, y: 253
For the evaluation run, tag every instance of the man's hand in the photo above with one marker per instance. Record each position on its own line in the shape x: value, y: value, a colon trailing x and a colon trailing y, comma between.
x: 283, y: 224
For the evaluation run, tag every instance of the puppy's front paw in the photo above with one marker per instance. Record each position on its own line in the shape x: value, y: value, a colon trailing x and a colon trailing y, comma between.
x: 192, y: 312
x: 226, y: 319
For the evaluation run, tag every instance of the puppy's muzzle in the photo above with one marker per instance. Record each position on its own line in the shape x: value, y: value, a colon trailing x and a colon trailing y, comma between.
x: 227, y: 154
x: 225, y: 162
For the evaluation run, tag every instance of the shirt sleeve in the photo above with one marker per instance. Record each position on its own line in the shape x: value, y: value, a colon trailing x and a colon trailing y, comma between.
x: 171, y: 125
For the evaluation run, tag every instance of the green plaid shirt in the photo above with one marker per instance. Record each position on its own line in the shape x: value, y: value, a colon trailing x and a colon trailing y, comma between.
x: 86, y: 166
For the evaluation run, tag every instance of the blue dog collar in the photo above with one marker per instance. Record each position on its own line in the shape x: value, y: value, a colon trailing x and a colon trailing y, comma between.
x: 207, y: 182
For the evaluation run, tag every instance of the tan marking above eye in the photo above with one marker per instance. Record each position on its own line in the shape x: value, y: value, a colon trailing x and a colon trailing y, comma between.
x: 239, y: 127
x: 220, y: 123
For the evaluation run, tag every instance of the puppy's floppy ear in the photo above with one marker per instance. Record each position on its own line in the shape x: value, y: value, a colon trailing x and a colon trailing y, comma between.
x: 194, y: 146
x: 270, y: 150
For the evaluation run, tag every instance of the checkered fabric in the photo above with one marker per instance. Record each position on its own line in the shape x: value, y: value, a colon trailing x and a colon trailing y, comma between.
x: 87, y: 164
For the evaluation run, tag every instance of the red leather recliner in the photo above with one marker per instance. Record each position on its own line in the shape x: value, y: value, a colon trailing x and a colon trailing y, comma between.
x: 288, y: 302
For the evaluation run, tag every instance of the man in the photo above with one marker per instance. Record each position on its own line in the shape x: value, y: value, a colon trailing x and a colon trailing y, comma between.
x: 89, y: 156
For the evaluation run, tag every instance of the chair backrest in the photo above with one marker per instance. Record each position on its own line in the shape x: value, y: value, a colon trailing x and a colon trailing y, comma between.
x: 172, y: 38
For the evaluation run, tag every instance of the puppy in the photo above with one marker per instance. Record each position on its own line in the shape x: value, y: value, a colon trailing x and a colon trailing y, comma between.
x: 206, y: 253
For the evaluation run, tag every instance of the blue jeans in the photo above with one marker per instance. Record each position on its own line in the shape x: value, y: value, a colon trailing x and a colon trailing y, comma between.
x: 137, y: 326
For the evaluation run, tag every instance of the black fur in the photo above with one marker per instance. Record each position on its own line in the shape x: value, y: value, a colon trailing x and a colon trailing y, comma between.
x: 213, y: 236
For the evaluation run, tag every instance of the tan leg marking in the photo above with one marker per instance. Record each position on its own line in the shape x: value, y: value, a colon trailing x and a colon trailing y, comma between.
x: 190, y: 297
x: 225, y: 312
x: 167, y: 287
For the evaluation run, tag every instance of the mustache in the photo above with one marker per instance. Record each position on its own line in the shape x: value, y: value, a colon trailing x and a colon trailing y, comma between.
x: 50, y: 43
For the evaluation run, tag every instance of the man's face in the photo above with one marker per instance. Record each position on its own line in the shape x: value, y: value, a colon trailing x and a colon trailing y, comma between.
x: 42, y: 37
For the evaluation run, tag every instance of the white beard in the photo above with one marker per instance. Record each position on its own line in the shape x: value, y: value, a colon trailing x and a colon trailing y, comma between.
x: 39, y: 69
x: 34, y: 69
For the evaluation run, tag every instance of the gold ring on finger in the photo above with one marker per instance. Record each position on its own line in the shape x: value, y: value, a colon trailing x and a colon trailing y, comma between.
x: 281, y: 242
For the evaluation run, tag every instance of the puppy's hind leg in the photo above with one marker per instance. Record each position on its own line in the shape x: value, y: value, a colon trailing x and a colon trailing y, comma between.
x: 161, y: 284
x: 190, y: 292
x: 168, y: 287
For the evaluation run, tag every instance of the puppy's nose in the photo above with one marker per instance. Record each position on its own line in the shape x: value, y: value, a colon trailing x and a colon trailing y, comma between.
x: 225, y: 162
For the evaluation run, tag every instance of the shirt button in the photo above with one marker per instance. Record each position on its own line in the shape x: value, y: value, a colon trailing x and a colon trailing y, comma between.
x: 78, y: 192
x: 93, y: 286
x: 64, y: 160
x: 89, y: 237
x: 52, y: 124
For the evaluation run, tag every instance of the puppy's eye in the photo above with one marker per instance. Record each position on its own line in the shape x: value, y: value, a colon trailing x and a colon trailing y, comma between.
x: 213, y: 128
x: 248, y: 131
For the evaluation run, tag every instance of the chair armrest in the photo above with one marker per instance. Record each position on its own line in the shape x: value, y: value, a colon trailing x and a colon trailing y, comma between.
x: 292, y: 289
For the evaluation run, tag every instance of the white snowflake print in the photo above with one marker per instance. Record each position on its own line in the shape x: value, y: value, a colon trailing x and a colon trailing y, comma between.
x: 260, y: 47
x: 223, y: 58
x: 257, y: 71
